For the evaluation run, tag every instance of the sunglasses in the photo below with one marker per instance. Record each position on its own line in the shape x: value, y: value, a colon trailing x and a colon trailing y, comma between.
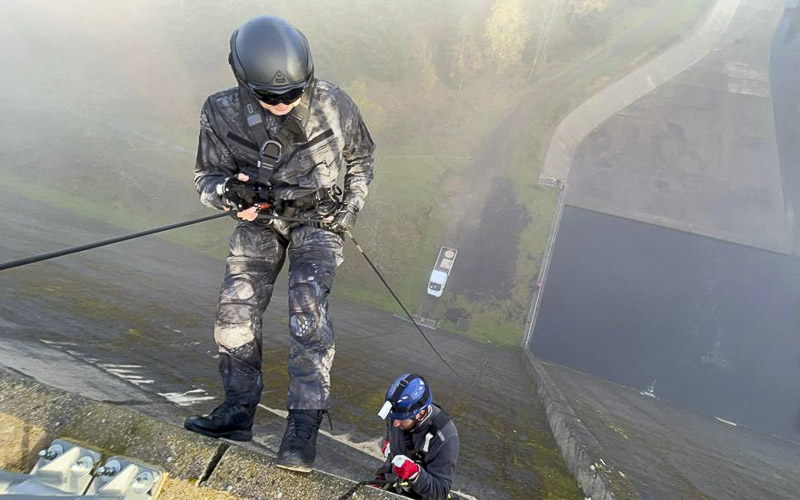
x: 273, y: 99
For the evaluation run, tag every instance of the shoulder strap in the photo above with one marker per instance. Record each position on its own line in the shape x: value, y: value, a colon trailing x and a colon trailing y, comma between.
x: 271, y: 149
x: 437, y: 423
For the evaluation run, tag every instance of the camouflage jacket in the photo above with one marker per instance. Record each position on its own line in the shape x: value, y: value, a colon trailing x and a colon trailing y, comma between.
x: 336, y: 138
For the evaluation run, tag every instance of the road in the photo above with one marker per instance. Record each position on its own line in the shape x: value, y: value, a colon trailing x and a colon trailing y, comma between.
x: 131, y: 323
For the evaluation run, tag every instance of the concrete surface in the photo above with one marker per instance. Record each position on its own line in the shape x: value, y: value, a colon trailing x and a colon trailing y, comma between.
x: 32, y: 415
x: 58, y: 368
x: 665, y: 451
x: 249, y: 475
x: 698, y: 153
x: 599, y: 480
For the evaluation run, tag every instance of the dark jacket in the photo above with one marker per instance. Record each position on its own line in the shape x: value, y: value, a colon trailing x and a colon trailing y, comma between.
x: 437, y: 465
x: 335, y: 138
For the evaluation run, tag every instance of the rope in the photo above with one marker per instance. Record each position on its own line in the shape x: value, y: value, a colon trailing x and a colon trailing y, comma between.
x: 89, y: 246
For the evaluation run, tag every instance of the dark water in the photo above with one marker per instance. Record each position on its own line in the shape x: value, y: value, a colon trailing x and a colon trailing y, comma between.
x: 715, y: 325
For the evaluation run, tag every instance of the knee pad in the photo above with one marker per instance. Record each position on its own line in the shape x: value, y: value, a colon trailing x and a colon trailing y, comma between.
x: 233, y: 336
x: 236, y: 320
x: 302, y: 324
x: 303, y: 308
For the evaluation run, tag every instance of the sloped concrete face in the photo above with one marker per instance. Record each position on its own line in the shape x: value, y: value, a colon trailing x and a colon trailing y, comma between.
x: 665, y: 451
x: 598, y: 479
x: 698, y: 153
x: 32, y: 415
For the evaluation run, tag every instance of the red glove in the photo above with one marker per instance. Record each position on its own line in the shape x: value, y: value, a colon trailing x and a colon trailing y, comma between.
x: 386, y: 449
x: 405, y: 468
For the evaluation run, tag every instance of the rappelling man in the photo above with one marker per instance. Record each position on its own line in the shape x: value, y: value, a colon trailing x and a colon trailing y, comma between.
x: 421, y: 443
x: 273, y: 146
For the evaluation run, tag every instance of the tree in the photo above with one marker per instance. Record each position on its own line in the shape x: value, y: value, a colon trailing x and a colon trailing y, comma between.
x: 506, y: 32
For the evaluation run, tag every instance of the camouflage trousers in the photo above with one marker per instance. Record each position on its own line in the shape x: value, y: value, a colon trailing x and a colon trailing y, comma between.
x: 256, y: 256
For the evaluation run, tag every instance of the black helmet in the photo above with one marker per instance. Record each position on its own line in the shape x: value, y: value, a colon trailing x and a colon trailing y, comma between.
x: 270, y: 56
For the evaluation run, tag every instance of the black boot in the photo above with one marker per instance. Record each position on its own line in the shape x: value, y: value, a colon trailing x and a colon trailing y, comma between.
x: 226, y: 421
x: 299, y: 444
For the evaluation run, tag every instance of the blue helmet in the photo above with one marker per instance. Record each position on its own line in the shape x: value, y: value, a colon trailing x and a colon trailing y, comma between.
x: 408, y: 395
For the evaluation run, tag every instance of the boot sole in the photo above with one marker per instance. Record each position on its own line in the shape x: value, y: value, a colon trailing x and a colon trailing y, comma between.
x: 296, y: 468
x: 239, y: 435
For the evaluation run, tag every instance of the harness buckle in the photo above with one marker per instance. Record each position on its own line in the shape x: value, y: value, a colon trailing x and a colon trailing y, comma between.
x: 326, y: 201
x: 269, y: 156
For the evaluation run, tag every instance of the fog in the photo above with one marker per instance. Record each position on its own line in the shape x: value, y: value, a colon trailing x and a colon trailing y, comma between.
x: 100, y: 103
x: 681, y: 183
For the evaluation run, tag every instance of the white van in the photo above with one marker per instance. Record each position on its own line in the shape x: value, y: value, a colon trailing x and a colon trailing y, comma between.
x: 436, y: 283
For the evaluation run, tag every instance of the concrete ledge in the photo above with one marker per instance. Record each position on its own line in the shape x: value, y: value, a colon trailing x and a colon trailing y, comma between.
x: 32, y: 415
x: 252, y: 475
x: 598, y: 479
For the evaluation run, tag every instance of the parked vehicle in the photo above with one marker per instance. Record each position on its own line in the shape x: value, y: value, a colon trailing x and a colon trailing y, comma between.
x: 441, y: 271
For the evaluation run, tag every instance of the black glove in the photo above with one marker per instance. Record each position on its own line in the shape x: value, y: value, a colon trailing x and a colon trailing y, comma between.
x: 237, y: 194
x: 344, y: 219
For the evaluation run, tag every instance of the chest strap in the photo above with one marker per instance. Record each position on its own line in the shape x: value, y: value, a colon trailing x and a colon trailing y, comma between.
x: 272, y: 149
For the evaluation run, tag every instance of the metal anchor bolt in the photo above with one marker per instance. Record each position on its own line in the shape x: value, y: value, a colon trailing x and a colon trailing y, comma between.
x: 82, y: 466
x: 143, y: 482
x: 109, y: 469
x: 52, y: 452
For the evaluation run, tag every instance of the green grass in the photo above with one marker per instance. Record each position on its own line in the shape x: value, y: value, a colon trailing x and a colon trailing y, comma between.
x: 399, y: 225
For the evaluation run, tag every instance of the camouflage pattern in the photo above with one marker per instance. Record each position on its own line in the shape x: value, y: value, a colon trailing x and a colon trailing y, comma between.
x: 349, y: 147
x: 256, y: 256
x: 257, y: 251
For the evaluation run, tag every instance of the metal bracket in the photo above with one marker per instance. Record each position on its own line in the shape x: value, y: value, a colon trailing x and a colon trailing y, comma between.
x: 119, y: 478
x: 62, y: 468
x: 65, y: 470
